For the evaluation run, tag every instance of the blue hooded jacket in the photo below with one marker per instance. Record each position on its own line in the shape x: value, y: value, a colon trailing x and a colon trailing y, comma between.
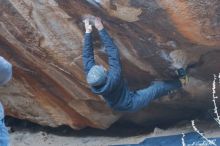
x: 115, y: 90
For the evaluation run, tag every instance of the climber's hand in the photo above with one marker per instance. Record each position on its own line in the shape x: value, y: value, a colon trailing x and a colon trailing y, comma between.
x: 98, y: 23
x: 88, y: 27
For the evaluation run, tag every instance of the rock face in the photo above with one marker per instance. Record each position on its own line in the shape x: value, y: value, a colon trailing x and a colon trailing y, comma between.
x: 43, y: 40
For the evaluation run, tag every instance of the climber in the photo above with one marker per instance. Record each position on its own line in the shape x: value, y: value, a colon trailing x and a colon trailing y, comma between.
x: 5, y: 76
x: 110, y: 84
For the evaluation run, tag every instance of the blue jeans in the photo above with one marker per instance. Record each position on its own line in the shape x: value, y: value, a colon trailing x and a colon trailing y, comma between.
x: 141, y: 98
x: 4, y: 136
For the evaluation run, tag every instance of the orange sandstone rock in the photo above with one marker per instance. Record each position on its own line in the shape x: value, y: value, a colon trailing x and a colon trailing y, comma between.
x: 43, y: 40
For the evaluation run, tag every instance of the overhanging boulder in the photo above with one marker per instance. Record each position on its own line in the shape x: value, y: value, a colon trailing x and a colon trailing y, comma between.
x: 43, y: 40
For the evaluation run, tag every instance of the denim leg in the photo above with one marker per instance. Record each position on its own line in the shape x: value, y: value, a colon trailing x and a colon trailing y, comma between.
x: 4, y: 136
x: 159, y: 88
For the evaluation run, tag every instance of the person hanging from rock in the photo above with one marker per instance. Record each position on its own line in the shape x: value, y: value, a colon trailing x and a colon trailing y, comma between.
x: 110, y: 83
x: 5, y: 76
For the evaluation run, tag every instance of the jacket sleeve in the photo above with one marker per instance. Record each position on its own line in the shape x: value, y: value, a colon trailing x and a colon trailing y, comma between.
x: 88, y: 54
x: 6, y: 71
x: 113, y: 54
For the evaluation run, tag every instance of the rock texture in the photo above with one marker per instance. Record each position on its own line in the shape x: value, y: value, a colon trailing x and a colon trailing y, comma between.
x: 43, y: 40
